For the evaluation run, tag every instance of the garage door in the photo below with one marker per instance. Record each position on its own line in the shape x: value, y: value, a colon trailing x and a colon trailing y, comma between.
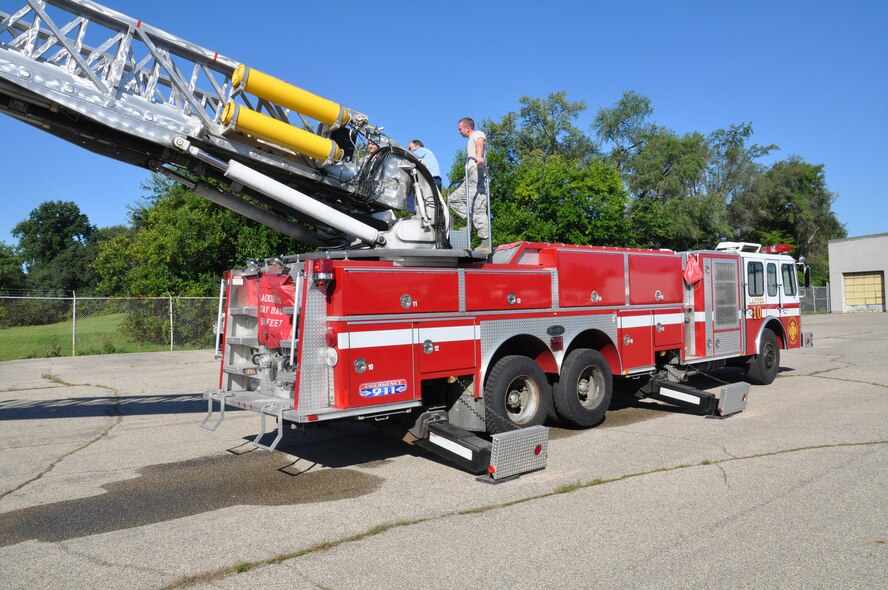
x: 864, y: 291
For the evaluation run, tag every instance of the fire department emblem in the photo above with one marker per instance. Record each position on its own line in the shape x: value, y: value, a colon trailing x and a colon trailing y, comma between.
x: 793, y: 330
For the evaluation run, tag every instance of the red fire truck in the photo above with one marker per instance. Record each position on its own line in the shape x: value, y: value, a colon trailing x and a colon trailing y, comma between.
x: 461, y: 344
x: 393, y: 316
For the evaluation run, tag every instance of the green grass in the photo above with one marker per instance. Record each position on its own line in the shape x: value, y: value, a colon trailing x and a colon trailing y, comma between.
x: 95, y: 335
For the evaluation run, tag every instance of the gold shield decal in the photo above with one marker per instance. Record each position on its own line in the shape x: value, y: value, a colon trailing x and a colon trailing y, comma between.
x: 793, y: 330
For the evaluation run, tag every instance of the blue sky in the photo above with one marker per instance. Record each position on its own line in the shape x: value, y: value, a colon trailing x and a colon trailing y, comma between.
x: 811, y: 76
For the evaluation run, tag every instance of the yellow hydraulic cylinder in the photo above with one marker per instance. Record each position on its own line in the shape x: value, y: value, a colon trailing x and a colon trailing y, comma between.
x: 289, y: 96
x: 280, y: 133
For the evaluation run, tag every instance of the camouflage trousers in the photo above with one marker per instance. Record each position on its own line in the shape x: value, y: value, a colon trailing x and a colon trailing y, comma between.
x: 457, y: 202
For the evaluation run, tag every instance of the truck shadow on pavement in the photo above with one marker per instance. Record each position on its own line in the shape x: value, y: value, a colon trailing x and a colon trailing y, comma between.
x: 333, y: 445
x: 89, y: 407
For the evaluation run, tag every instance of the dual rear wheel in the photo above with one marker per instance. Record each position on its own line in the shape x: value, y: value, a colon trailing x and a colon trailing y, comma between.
x: 518, y: 394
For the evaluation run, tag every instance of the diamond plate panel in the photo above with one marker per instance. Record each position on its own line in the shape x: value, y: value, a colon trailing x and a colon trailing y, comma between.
x: 733, y: 398
x: 316, y: 380
x: 515, y: 452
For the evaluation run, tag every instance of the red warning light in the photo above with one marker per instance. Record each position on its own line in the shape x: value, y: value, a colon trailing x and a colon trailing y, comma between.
x: 777, y: 249
x: 491, y: 470
x: 537, y: 450
x: 322, y: 269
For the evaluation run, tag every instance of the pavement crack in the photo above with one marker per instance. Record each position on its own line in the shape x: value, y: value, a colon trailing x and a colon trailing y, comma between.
x: 96, y: 561
x: 114, y: 412
x: 724, y: 475
x: 210, y: 577
x: 821, y: 376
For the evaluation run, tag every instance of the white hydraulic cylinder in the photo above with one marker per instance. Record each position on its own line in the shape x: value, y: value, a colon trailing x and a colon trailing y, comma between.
x: 301, y: 202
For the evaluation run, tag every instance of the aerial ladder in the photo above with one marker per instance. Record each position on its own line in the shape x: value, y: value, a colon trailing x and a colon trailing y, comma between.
x: 248, y: 141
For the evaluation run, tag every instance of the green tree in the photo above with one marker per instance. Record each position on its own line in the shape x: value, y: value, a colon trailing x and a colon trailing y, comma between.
x: 790, y: 203
x: 624, y: 127
x: 670, y: 207
x: 732, y: 161
x: 181, y: 243
x: 50, y: 229
x: 52, y: 242
x: 542, y: 128
x: 12, y: 277
x: 560, y: 200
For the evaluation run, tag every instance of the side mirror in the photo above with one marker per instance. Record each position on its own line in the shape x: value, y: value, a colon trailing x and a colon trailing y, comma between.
x: 807, y: 277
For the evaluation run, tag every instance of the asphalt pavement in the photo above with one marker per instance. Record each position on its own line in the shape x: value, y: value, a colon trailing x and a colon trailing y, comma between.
x: 107, y: 481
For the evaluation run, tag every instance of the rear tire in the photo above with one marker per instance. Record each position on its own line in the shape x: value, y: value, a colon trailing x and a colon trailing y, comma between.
x: 764, y: 366
x: 584, y: 391
x: 517, y: 395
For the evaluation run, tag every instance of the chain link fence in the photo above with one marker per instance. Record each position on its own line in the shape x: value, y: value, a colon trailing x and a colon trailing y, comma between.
x: 816, y: 300
x: 38, y: 327
x: 43, y: 326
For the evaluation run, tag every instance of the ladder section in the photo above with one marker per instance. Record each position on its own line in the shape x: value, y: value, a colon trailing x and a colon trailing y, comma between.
x: 115, y: 70
x: 117, y: 86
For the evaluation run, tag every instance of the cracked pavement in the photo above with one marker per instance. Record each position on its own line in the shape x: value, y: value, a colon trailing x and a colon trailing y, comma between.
x: 107, y: 481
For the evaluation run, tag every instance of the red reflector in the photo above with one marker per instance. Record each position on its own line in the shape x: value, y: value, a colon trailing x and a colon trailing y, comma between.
x: 330, y: 338
x: 312, y: 417
x: 491, y: 470
x: 537, y: 450
x: 556, y: 342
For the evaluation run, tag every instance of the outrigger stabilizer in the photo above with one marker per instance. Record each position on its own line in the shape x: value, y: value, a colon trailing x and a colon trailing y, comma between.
x: 731, y: 398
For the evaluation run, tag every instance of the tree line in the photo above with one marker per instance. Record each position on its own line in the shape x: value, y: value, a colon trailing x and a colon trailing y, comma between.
x: 625, y: 182
x: 630, y: 182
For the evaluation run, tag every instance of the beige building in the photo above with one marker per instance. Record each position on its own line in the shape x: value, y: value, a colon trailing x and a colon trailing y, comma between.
x: 857, y: 268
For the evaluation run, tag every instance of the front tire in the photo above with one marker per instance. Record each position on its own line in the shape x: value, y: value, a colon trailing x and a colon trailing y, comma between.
x: 763, y: 367
x: 584, y: 391
x: 517, y: 395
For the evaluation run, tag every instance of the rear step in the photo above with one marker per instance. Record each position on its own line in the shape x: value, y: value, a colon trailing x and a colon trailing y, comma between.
x: 507, y: 455
x: 731, y: 398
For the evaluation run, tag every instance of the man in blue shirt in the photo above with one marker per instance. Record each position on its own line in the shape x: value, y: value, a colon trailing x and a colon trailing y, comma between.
x: 426, y: 156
